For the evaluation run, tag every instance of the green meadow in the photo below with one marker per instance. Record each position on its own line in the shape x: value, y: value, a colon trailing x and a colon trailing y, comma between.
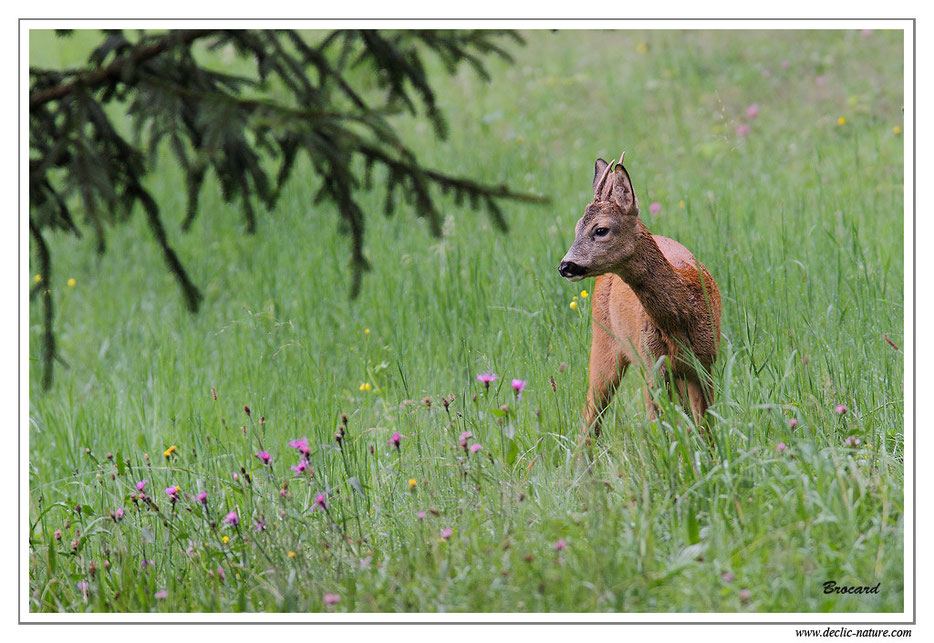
x: 795, y: 207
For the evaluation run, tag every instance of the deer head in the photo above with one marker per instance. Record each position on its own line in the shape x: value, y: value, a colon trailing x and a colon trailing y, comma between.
x: 605, y: 236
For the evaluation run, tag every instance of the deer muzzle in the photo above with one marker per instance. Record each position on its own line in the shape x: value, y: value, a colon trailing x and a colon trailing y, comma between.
x: 571, y: 271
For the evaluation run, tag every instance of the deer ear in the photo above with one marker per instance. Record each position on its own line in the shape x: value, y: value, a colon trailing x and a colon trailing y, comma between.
x: 623, y: 194
x: 598, y: 169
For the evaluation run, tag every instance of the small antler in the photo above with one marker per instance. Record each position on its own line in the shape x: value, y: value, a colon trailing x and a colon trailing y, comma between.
x: 599, y: 187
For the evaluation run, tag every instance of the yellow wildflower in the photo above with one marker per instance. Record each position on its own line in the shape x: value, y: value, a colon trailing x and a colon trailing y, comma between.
x: 584, y: 294
x: 365, y: 386
x: 573, y: 305
x: 291, y: 554
x: 366, y: 330
x: 841, y: 121
x: 681, y: 204
x: 72, y: 282
x: 172, y: 449
x: 412, y: 483
x: 642, y: 47
x: 225, y: 539
x: 895, y: 130
x: 37, y: 278
x: 519, y: 139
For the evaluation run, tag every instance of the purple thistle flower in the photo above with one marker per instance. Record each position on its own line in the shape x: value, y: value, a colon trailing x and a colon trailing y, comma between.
x: 172, y: 492
x: 141, y: 485
x: 518, y: 386
x: 840, y: 410
x: 466, y: 435
x: 421, y: 515
x: 395, y: 440
x: 301, y: 445
x: 331, y: 599
x: 781, y: 446
x: 259, y: 525
x: 793, y: 422
x: 561, y: 544
x: 300, y: 467
x: 220, y: 573
x: 203, y: 498
x: 147, y: 563
x: 487, y: 378
x: 264, y: 456
x: 655, y: 208
x: 475, y: 447
x: 321, y: 502
x: 119, y: 513
x: 447, y: 532
x: 232, y: 519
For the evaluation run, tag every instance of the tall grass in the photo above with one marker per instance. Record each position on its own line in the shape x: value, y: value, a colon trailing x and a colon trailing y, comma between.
x: 799, y: 220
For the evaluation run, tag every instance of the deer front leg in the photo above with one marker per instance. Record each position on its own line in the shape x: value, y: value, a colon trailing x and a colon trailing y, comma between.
x: 607, y: 365
x: 701, y: 396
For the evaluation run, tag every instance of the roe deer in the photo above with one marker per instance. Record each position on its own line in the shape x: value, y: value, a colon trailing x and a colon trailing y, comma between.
x: 652, y: 299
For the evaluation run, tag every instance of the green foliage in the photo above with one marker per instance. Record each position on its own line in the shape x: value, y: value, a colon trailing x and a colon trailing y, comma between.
x: 296, y: 99
x: 800, y: 222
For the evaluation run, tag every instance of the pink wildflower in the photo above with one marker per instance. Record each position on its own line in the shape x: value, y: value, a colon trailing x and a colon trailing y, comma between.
x: 867, y: 32
x: 821, y: 81
x: 793, y: 422
x: 141, y: 485
x: 447, y: 532
x: 321, y: 502
x: 786, y: 64
x: 118, y: 514
x: 743, y: 130
x: 781, y: 446
x: 487, y: 378
x: 203, y: 498
x: 395, y: 440
x: 232, y: 519
x: 475, y: 447
x: 162, y: 593
x: 172, y: 492
x: 300, y: 467
x: 58, y: 534
x: 727, y: 576
x: 420, y: 515
x: 752, y: 111
x: 852, y: 441
x: 147, y: 563
x: 840, y: 410
x: 301, y: 445
x: 655, y: 208
x: 518, y: 386
x: 220, y: 573
x: 331, y: 599
x: 264, y: 456
x: 561, y: 544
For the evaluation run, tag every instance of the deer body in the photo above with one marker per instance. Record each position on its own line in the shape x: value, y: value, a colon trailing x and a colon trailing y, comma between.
x: 652, y: 299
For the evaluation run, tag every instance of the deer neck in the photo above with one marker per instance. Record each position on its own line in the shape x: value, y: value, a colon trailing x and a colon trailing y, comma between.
x: 659, y: 287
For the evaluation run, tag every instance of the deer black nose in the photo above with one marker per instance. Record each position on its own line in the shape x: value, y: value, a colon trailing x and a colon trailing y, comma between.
x: 570, y: 269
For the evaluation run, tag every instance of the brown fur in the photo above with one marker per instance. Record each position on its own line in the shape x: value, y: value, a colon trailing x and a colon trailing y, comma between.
x: 652, y: 299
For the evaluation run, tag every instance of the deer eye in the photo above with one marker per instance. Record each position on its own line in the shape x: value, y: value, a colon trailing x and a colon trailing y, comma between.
x: 601, y: 232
